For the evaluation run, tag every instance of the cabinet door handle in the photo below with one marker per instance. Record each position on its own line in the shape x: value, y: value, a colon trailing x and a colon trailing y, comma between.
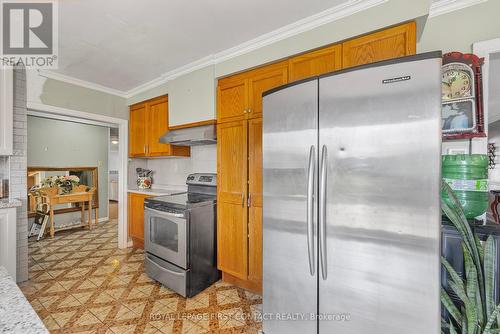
x: 243, y: 200
x: 145, y: 149
x: 249, y: 110
x: 249, y: 200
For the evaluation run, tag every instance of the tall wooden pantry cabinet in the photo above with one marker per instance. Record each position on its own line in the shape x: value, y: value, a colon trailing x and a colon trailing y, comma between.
x: 239, y: 141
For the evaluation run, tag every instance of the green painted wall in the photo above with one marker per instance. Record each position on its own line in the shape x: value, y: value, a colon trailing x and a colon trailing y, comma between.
x: 41, y: 90
x: 458, y: 30
x: 64, y: 95
x: 149, y: 94
x: 191, y: 97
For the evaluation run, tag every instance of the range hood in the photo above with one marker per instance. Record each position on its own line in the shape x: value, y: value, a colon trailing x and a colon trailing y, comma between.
x: 193, y: 136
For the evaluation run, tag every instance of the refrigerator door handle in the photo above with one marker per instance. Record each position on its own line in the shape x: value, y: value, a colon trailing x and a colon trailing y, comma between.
x: 322, y: 212
x: 310, y: 208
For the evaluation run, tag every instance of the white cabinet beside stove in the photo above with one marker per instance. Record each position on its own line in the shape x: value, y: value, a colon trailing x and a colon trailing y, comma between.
x: 6, y: 111
x: 8, y: 239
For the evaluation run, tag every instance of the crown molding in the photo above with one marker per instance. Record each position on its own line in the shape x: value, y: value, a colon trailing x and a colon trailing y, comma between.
x: 82, y: 83
x: 441, y: 7
x: 329, y: 15
x: 164, y: 78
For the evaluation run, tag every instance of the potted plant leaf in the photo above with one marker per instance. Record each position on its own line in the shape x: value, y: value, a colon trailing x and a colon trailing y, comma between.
x: 64, y: 184
x: 477, y: 313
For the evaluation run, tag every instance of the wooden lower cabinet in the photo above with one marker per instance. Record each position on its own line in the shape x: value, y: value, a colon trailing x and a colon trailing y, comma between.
x: 136, y: 218
x: 239, y: 202
x: 255, y: 202
x: 232, y: 234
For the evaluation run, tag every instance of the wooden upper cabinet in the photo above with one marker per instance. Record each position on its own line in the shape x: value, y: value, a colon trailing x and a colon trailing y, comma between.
x: 158, y: 125
x: 315, y: 62
x: 232, y: 229
x: 261, y: 80
x: 148, y: 122
x: 232, y: 98
x: 240, y: 96
x: 390, y: 43
x: 137, y: 131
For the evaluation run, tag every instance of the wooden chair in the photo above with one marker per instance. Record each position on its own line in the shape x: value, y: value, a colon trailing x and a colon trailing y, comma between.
x: 39, y: 205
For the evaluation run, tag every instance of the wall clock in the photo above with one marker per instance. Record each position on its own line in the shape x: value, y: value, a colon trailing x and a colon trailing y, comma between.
x: 462, y: 106
x: 457, y: 81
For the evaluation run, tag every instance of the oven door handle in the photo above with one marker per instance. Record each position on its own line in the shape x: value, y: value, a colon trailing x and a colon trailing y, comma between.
x: 152, y: 261
x: 164, y: 213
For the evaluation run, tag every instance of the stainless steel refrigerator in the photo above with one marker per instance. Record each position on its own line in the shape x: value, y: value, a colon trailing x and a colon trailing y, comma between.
x: 351, y: 215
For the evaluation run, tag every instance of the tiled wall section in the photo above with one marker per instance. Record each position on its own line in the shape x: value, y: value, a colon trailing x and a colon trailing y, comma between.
x: 18, y: 162
x: 173, y: 171
x: 133, y: 164
x: 4, y: 167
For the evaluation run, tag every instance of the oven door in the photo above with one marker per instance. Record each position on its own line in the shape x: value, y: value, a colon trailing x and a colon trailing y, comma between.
x: 165, y: 236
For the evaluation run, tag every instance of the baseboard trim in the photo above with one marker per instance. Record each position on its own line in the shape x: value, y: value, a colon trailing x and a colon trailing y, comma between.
x: 244, y: 284
x: 137, y: 243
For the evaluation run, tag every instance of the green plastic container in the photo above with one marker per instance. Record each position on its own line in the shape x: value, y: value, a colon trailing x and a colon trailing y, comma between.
x: 467, y: 175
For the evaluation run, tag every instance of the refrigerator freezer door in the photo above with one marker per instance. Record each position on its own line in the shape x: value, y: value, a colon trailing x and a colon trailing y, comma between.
x: 290, y: 124
x: 381, y: 127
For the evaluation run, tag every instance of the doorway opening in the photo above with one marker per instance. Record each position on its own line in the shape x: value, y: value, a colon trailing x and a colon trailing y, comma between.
x: 114, y: 134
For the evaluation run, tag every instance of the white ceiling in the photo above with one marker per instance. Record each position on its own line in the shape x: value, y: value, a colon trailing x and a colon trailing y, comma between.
x: 122, y: 44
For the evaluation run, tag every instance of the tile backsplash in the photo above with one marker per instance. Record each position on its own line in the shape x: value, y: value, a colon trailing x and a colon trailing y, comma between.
x: 4, y: 166
x: 4, y: 173
x: 17, y: 171
x: 173, y: 171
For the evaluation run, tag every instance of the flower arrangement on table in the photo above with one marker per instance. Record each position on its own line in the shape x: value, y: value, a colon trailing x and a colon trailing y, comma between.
x: 65, y: 183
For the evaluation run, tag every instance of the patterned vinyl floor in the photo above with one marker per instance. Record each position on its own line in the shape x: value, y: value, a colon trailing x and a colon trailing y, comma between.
x: 80, y: 282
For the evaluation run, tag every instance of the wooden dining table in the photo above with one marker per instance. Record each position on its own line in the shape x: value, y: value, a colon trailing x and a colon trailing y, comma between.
x: 81, y: 194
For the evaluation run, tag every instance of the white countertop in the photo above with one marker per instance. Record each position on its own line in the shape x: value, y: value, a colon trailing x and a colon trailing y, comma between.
x: 158, y: 191
x: 9, y: 203
x: 16, y: 313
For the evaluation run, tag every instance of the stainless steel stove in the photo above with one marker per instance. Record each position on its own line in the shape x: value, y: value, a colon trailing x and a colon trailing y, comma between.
x: 180, y: 237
